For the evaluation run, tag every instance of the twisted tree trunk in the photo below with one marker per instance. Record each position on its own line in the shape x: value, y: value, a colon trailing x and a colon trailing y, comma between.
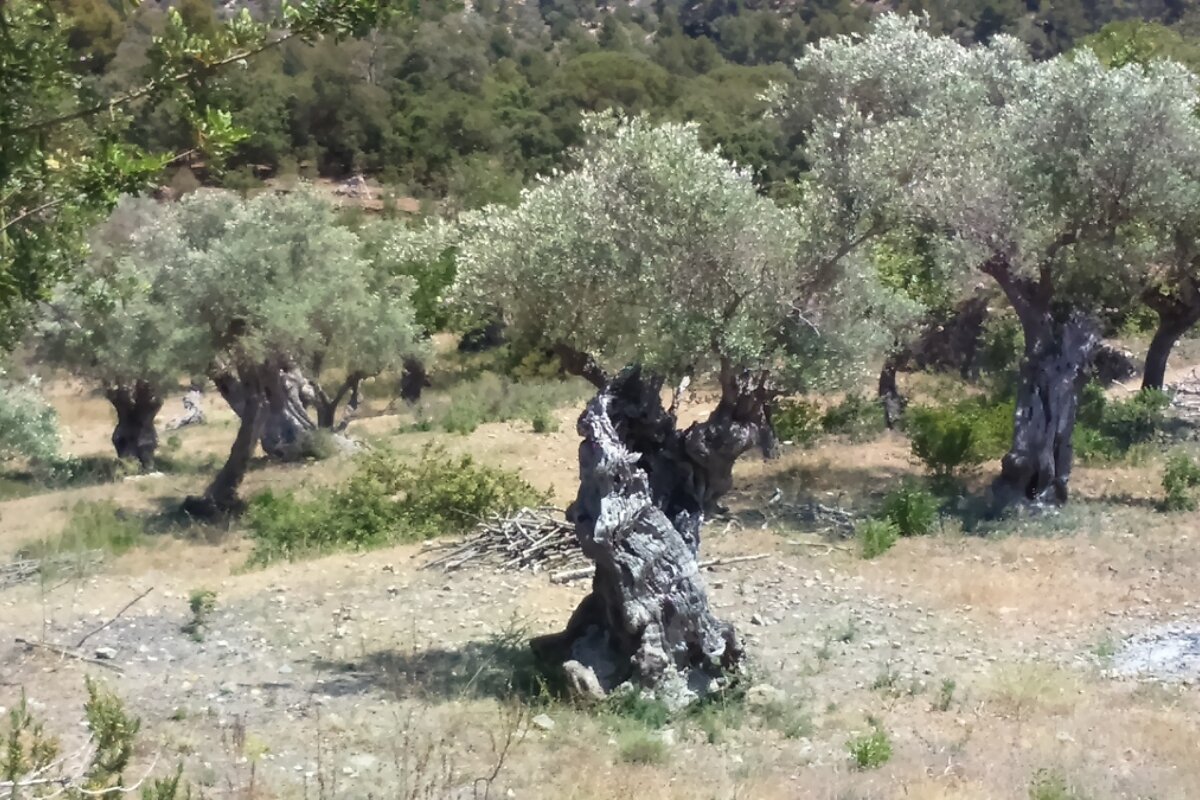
x: 287, y: 428
x: 134, y: 436
x: 327, y: 406
x: 221, y: 497
x: 1057, y: 363
x: 284, y: 427
x: 645, y: 488
x: 1177, y: 315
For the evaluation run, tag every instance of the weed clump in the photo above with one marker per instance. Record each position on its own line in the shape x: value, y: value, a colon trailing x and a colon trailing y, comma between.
x: 951, y: 439
x: 911, y: 509
x: 871, y: 750
x: 1181, y: 475
x: 202, y: 603
x: 876, y: 537
x: 91, y: 527
x: 386, y: 500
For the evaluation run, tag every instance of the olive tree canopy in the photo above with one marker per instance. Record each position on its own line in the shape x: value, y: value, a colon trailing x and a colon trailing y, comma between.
x: 1047, y: 177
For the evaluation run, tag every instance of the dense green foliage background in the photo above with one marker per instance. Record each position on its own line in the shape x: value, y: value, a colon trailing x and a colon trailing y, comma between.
x: 469, y: 103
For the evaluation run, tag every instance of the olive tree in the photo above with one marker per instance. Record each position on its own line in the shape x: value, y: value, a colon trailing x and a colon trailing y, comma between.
x: 111, y: 325
x: 267, y: 290
x: 1046, y: 178
x: 654, y: 261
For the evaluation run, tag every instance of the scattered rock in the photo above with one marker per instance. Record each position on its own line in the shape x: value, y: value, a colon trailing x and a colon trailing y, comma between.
x: 106, y: 653
x: 764, y: 694
x: 542, y: 722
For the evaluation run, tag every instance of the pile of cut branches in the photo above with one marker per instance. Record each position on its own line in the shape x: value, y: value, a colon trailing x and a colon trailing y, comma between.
x: 533, y: 539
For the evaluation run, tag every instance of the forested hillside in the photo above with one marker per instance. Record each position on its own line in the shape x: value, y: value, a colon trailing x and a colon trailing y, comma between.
x: 468, y: 102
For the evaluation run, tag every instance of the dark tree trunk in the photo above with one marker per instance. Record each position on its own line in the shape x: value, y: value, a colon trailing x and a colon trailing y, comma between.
x: 486, y: 337
x: 221, y: 497
x: 890, y: 398
x: 645, y: 488
x: 413, y: 380
x: 286, y: 428
x: 1037, y: 468
x: 327, y: 406
x: 134, y: 436
x: 1176, y: 316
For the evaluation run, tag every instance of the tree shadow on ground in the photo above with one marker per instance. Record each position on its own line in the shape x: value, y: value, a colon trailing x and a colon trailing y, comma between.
x: 498, y: 667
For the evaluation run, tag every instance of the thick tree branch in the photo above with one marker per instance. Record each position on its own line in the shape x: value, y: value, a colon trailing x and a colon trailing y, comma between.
x: 576, y: 362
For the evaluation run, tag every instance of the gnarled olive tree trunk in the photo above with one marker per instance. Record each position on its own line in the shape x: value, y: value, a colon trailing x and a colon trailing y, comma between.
x: 134, y: 435
x: 645, y: 488
x: 221, y: 497
x: 1059, y: 351
x: 284, y: 425
x: 326, y: 405
x: 1177, y: 314
x: 413, y: 380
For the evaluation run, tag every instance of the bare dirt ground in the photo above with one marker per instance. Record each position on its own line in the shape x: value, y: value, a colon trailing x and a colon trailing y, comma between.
x: 986, y: 659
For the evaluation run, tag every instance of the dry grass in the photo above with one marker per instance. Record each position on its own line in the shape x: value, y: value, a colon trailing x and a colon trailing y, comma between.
x: 1033, y: 599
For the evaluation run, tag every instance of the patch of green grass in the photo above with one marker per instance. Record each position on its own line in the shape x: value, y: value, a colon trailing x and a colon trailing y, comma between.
x: 871, y: 750
x: 641, y: 747
x: 92, y: 526
x: 787, y: 719
x: 945, y: 695
x: 495, y: 398
x: 633, y: 706
x: 1180, y: 477
x: 1051, y: 785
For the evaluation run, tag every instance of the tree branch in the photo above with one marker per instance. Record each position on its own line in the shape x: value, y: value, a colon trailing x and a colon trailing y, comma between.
x: 582, y: 364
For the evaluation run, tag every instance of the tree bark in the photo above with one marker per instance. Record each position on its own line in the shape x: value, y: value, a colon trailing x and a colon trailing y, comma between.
x: 413, y: 380
x: 645, y: 489
x: 284, y: 427
x: 221, y: 497
x: 327, y: 406
x: 1176, y: 316
x: 1037, y: 467
x: 134, y: 436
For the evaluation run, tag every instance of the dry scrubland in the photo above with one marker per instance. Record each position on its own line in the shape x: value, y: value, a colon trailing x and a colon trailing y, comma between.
x: 977, y: 659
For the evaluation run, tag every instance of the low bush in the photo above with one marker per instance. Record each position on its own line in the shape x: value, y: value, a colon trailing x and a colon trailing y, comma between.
x: 385, y: 500
x: 1180, y: 476
x: 870, y: 751
x: 856, y: 416
x: 1050, y: 785
x: 28, y: 425
x: 876, y: 537
x: 911, y: 509
x: 954, y: 438
x: 1106, y: 430
x: 797, y: 421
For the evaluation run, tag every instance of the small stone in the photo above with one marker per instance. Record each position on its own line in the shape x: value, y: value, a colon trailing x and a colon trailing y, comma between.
x: 106, y: 653
x: 286, y: 669
x: 757, y: 619
x: 543, y: 722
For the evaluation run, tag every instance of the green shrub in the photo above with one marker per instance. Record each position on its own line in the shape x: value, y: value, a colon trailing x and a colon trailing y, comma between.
x: 798, y: 421
x: 632, y: 705
x: 28, y: 425
x: 1107, y: 430
x: 202, y: 603
x: 870, y: 751
x: 911, y: 509
x: 950, y: 439
x: 1181, y: 475
x: 876, y: 537
x: 856, y: 416
x: 385, y: 500
x: 543, y: 421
